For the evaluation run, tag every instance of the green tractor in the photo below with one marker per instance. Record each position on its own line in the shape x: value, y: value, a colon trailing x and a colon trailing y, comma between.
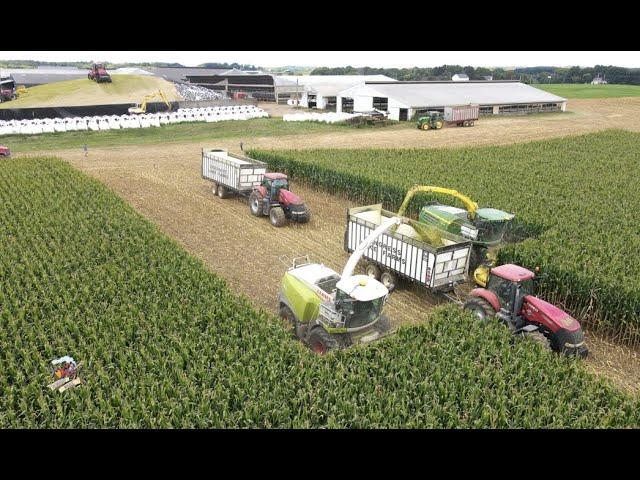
x: 485, y: 227
x: 432, y: 120
x: 326, y: 310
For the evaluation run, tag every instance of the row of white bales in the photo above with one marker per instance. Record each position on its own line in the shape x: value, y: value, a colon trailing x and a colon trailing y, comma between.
x: 330, y: 117
x: 117, y: 122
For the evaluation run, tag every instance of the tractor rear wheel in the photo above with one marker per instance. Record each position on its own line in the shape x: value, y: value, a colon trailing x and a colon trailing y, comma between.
x: 389, y: 280
x: 438, y: 124
x: 255, y: 203
x: 222, y: 191
x: 289, y: 317
x: 480, y: 308
x: 373, y: 271
x: 321, y: 341
x: 277, y: 217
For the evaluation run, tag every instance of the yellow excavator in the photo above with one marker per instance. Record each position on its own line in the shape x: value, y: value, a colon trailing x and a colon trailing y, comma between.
x: 485, y: 227
x: 142, y: 106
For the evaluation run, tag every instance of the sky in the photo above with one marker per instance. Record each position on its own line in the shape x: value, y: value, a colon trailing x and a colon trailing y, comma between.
x: 388, y: 59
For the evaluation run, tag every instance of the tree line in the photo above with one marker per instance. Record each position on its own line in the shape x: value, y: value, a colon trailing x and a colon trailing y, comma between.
x: 611, y: 74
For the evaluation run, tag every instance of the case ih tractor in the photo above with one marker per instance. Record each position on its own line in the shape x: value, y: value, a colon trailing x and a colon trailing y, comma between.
x: 268, y: 193
x: 508, y: 296
x: 273, y: 198
x: 7, y: 89
x: 99, y: 73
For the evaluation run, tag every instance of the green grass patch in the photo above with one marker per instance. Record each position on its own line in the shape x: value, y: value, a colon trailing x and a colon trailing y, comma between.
x: 571, y: 90
x: 122, y: 89
x: 183, y: 132
x: 166, y: 343
x: 578, y: 196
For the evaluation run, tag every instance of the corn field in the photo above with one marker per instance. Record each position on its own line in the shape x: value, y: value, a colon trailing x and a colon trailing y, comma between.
x: 166, y: 343
x: 576, y: 203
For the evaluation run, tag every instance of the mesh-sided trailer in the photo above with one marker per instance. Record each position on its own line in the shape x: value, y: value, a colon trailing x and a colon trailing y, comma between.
x: 406, y: 256
x: 232, y: 172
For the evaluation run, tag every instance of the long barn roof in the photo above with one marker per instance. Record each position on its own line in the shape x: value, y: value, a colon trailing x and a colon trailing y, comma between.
x: 438, y: 94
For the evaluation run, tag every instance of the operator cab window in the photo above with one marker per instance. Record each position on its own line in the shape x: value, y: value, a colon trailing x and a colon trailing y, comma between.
x: 328, y: 284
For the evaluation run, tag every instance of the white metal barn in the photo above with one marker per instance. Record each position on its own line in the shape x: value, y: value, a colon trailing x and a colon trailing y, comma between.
x: 321, y: 91
x: 404, y: 100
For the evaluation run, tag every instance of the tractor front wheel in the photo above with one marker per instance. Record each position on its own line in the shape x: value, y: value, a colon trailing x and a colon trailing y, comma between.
x: 425, y: 126
x: 288, y: 316
x: 321, y: 341
x: 480, y: 308
x: 277, y: 217
x: 568, y: 343
x: 255, y: 203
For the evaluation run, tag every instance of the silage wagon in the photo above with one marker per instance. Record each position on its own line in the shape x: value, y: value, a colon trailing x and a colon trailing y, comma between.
x: 404, y: 253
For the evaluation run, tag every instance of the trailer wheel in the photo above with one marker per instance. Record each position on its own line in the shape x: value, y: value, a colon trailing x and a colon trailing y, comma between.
x: 222, y: 191
x: 373, y: 271
x: 389, y: 280
x: 214, y: 188
x: 277, y: 217
x: 255, y: 203
x: 471, y: 123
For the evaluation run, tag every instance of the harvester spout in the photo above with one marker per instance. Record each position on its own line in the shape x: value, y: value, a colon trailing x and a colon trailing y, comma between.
x: 357, y: 254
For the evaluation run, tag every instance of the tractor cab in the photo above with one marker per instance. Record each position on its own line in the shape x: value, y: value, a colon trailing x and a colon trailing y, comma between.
x: 511, y: 283
x: 273, y: 182
x: 487, y: 229
x: 359, y: 300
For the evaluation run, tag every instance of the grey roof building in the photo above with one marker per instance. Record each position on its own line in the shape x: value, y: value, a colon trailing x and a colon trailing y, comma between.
x: 403, y: 100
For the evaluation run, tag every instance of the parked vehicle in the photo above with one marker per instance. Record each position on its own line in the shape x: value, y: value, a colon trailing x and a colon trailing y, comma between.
x: 460, y: 116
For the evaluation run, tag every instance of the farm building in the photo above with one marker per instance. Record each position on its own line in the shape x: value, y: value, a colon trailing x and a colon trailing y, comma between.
x: 321, y: 91
x: 405, y: 100
x: 257, y: 84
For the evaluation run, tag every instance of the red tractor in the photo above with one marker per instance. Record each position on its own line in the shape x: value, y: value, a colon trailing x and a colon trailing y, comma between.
x: 4, y: 151
x: 99, y: 73
x: 508, y: 296
x: 7, y: 89
x: 274, y: 199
